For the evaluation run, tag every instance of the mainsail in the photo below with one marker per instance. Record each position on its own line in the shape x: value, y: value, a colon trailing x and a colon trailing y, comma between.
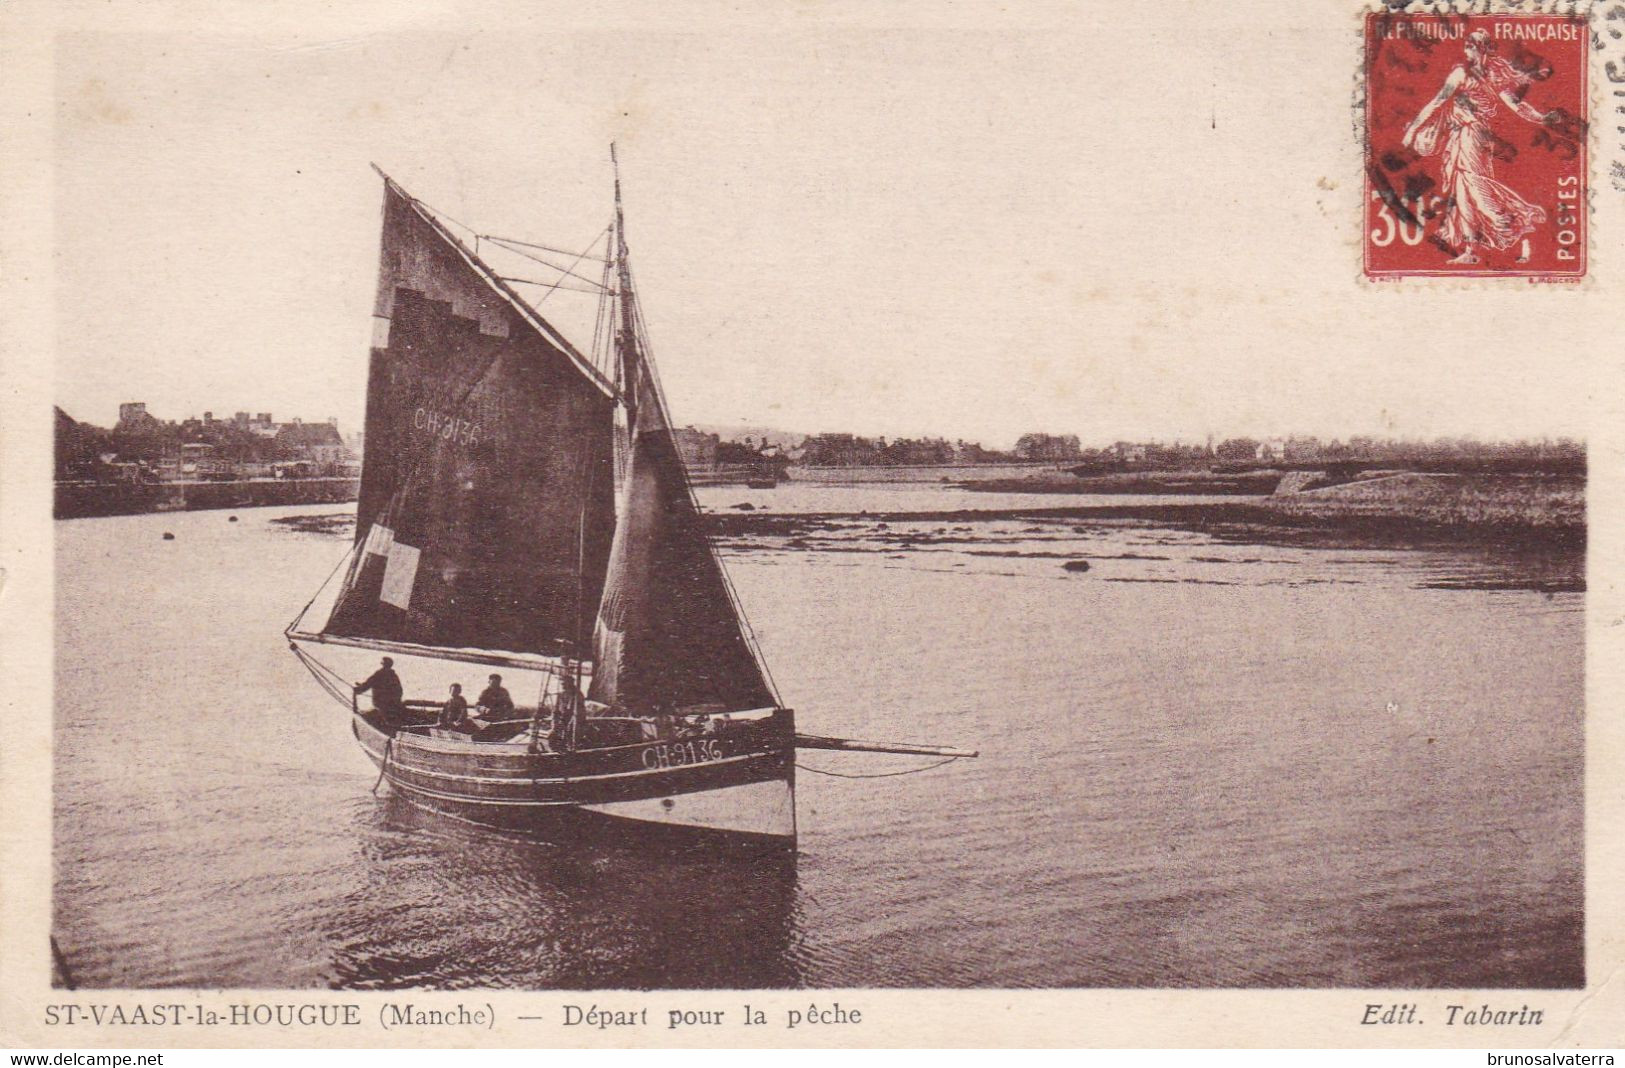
x: 487, y: 495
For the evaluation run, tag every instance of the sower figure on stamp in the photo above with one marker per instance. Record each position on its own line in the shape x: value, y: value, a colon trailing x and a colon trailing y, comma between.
x: 1478, y: 210
x: 386, y: 692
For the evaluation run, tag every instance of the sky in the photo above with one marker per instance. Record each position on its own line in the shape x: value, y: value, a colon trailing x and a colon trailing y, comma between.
x: 1096, y: 223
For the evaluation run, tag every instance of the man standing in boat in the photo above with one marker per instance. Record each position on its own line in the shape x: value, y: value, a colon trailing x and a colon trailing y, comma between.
x: 494, y: 703
x: 386, y: 691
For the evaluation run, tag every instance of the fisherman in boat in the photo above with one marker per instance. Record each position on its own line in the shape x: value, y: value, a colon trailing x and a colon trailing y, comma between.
x: 454, y: 713
x: 665, y: 718
x: 385, y: 686
x: 495, y: 705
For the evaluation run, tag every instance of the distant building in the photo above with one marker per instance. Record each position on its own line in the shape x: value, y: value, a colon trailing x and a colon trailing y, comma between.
x: 1048, y: 447
x: 244, y: 446
x: 133, y: 415
x: 1271, y: 450
x: 839, y: 450
x: 318, y: 443
x: 697, y: 448
x: 197, y: 461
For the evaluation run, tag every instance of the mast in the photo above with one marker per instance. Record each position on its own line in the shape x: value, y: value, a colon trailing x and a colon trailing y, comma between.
x: 627, y: 336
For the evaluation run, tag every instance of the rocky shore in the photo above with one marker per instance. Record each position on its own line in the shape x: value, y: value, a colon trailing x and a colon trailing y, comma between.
x: 1407, y: 509
x: 1401, y: 509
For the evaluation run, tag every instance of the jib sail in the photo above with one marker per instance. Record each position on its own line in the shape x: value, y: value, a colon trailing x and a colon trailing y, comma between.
x: 487, y: 500
x: 668, y: 636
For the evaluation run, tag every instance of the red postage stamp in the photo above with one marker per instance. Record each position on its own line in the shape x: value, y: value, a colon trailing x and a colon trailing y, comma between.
x: 1476, y: 138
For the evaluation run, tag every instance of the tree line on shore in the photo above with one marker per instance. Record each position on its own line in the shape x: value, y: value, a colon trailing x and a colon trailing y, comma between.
x: 81, y: 449
x: 851, y: 450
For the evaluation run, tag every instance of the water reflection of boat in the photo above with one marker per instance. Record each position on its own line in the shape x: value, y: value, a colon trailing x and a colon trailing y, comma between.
x: 449, y: 906
x: 524, y: 505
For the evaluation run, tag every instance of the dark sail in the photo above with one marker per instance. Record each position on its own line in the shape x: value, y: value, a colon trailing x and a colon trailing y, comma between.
x: 487, y: 498
x: 668, y: 636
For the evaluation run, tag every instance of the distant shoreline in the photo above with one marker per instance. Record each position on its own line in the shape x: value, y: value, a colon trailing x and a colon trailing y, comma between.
x: 1150, y: 483
x: 964, y: 475
x: 86, y: 500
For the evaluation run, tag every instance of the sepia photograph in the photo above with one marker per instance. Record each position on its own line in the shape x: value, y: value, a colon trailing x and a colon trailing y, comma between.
x: 817, y: 499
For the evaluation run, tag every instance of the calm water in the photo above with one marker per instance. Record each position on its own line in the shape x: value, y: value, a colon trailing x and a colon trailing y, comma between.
x: 1204, y: 763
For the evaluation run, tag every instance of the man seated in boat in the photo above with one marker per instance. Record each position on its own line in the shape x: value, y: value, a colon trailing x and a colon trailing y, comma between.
x: 454, y: 713
x: 668, y: 722
x: 385, y: 686
x: 494, y: 704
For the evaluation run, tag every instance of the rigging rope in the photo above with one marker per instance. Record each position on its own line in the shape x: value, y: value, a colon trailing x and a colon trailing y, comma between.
x: 328, y: 679
x: 547, y: 285
x: 383, y: 765
x: 573, y: 264
x: 545, y: 263
x: 342, y: 561
x: 878, y: 774
x: 336, y: 686
x: 603, y: 346
x: 549, y: 248
x: 475, y: 234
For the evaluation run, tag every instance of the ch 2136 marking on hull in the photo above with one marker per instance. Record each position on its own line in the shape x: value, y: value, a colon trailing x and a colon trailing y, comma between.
x: 679, y: 753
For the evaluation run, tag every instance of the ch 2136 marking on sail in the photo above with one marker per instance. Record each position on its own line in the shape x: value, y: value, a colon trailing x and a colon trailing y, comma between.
x: 449, y: 427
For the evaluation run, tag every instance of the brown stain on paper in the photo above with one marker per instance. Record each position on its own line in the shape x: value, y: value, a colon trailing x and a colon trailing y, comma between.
x: 373, y: 110
x: 93, y: 105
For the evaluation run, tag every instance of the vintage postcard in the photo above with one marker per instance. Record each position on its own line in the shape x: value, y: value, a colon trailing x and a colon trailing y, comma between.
x: 815, y: 524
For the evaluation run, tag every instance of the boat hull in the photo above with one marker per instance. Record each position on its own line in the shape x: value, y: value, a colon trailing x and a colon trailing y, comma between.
x: 736, y: 788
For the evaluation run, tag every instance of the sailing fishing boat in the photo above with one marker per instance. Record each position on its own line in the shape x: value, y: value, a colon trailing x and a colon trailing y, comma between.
x: 524, y: 506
